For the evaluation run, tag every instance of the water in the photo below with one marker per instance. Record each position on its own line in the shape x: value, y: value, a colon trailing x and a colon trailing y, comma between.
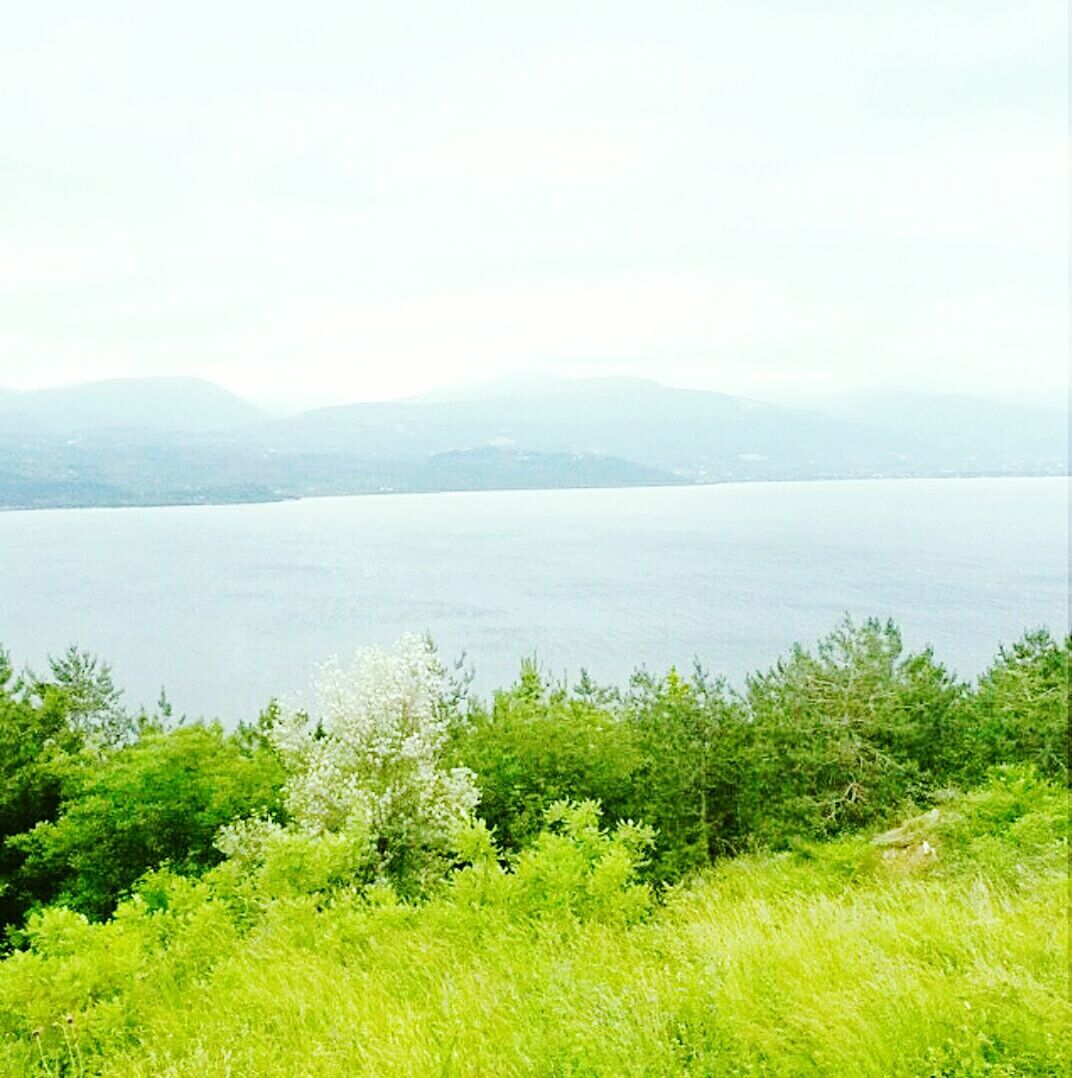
x: 226, y: 606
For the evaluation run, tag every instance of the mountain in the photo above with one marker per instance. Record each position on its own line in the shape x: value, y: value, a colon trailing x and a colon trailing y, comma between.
x: 694, y: 434
x: 492, y: 468
x: 183, y: 441
x: 963, y: 428
x: 165, y: 404
x: 116, y: 472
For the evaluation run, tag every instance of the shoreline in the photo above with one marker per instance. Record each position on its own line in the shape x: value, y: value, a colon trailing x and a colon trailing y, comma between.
x: 205, y: 504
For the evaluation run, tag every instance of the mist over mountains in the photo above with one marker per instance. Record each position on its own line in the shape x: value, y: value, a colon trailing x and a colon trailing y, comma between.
x: 164, y: 404
x: 187, y: 441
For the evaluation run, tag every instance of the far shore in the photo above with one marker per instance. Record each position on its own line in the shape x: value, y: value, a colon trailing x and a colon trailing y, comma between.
x: 384, y: 492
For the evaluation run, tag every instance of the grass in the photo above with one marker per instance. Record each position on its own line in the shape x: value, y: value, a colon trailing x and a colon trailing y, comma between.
x: 941, y: 949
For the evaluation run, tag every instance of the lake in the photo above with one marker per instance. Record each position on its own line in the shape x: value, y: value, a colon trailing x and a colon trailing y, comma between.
x: 226, y: 606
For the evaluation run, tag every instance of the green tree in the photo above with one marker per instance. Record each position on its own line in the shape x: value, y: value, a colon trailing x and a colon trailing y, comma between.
x: 91, y: 702
x: 1021, y: 707
x: 45, y: 728
x: 536, y: 746
x: 838, y: 738
x: 688, y: 736
x: 159, y: 800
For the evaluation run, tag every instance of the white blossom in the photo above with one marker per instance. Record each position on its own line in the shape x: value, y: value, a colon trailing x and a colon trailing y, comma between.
x: 368, y: 760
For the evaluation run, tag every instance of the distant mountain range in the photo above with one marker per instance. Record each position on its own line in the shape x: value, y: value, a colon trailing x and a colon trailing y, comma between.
x: 182, y: 440
x: 169, y: 404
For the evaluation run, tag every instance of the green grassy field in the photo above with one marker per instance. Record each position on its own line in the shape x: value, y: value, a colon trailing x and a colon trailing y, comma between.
x: 939, y: 949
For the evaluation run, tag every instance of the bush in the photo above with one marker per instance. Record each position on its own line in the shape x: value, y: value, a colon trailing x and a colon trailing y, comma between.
x: 158, y: 801
x: 367, y: 774
x: 573, y: 870
x: 537, y: 746
x: 52, y: 731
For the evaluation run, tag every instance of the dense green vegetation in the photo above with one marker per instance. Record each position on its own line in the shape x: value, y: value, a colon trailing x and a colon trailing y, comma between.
x: 824, y: 742
x: 854, y: 863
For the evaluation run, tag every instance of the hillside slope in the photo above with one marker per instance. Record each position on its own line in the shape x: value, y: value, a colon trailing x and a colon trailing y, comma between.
x: 695, y: 434
x: 961, y: 427
x: 939, y: 947
x: 163, y: 404
x: 185, y: 441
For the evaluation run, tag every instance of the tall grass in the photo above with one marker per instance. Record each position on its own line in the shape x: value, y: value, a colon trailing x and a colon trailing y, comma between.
x: 941, y: 949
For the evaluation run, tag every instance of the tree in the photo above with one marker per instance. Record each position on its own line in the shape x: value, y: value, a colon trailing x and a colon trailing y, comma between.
x: 688, y: 736
x: 43, y: 730
x: 1021, y: 707
x: 538, y: 745
x: 366, y: 771
x: 158, y: 801
x: 838, y: 738
x: 91, y: 701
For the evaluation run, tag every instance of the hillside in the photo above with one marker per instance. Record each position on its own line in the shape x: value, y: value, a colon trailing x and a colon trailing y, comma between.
x: 139, y: 469
x: 696, y: 435
x: 937, y: 948
x: 165, y: 404
x: 184, y: 441
x: 855, y: 865
x: 962, y: 427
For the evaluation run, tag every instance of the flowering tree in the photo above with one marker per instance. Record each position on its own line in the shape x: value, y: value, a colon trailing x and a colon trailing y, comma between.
x: 366, y: 777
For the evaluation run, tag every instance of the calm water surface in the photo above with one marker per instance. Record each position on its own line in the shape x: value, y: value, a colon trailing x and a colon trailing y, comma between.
x: 229, y: 605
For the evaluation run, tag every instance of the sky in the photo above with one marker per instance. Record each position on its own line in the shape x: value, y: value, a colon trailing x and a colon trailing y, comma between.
x: 335, y: 201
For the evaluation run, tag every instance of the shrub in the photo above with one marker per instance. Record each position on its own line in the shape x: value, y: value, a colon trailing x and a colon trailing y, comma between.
x: 574, y: 870
x: 536, y: 746
x: 369, y: 770
x: 160, y: 800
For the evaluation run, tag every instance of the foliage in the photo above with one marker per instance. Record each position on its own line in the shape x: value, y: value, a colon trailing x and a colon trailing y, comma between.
x: 537, y: 745
x: 160, y: 800
x: 688, y: 733
x: 382, y: 779
x: 573, y: 869
x: 317, y: 894
x: 822, y: 743
x: 1021, y: 706
x: 51, y: 730
x: 834, y: 959
x: 368, y: 770
x: 839, y: 738
x: 91, y: 702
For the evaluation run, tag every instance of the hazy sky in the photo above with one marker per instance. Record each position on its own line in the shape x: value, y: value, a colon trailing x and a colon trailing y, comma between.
x: 344, y: 200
